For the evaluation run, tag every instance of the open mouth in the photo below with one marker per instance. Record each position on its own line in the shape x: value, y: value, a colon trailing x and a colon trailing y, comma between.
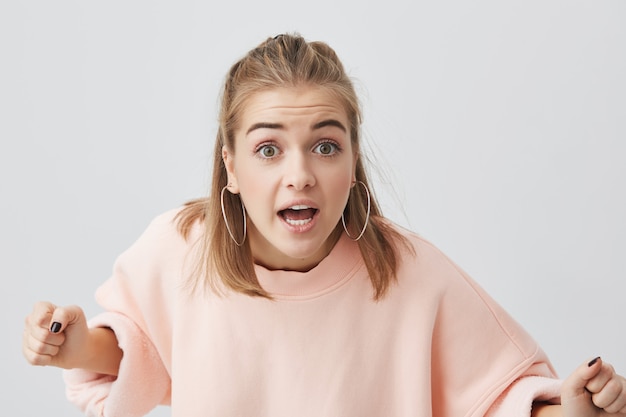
x: 298, y: 215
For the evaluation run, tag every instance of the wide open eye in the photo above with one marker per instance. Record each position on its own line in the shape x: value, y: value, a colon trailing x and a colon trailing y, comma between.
x: 326, y: 148
x: 268, y: 151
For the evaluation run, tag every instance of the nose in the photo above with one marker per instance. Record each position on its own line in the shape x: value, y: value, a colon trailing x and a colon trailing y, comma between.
x: 298, y: 173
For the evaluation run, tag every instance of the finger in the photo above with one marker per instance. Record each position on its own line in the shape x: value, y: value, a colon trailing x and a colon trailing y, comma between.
x: 604, y: 375
x: 44, y: 335
x: 40, y: 316
x: 575, y: 385
x: 64, y: 317
x: 612, y: 396
x: 38, y: 352
x: 35, y: 358
x: 36, y: 335
x: 42, y: 348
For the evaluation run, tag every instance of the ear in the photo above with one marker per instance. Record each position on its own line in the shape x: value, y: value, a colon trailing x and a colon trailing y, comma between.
x: 229, y: 164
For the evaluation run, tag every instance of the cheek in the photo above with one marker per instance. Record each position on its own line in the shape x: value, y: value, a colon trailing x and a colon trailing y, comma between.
x: 339, y: 187
x: 254, y: 188
x: 247, y: 174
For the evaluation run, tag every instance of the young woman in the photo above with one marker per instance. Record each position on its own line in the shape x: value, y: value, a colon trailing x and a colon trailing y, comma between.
x: 286, y: 293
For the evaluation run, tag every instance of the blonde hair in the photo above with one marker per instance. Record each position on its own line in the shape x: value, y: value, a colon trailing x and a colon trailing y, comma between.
x: 283, y: 61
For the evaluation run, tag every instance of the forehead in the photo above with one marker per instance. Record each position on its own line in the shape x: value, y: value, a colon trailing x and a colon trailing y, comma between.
x: 292, y: 102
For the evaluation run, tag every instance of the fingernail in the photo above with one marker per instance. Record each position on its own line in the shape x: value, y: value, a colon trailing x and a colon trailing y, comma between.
x: 56, y: 327
x: 593, y: 361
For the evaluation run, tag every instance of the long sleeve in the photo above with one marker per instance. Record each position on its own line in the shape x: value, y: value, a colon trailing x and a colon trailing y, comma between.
x: 137, y: 301
x: 142, y: 382
x: 517, y: 400
x: 437, y: 345
x: 482, y: 359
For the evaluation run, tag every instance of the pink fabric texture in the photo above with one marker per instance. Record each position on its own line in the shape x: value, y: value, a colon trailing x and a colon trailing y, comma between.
x: 517, y: 400
x: 436, y: 345
x: 139, y: 392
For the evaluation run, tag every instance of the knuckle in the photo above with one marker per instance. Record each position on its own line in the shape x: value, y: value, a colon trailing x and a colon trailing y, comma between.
x: 613, y: 388
x: 37, y: 346
x: 36, y: 359
x: 40, y: 360
x: 39, y: 333
x: 43, y: 306
x: 76, y: 307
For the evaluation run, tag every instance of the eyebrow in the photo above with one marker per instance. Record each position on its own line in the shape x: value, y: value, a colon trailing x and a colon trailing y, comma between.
x: 279, y: 126
x: 330, y: 122
x: 264, y: 125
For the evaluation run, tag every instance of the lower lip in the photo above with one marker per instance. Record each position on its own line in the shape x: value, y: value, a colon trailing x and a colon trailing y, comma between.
x: 300, y: 228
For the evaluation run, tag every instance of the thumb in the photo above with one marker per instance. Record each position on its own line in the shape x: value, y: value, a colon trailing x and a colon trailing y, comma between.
x: 63, y: 317
x: 574, y: 385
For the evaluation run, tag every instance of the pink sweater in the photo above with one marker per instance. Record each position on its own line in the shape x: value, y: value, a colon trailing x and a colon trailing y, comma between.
x: 436, y: 345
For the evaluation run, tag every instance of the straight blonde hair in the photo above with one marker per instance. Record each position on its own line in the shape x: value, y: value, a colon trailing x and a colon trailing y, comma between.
x: 283, y: 61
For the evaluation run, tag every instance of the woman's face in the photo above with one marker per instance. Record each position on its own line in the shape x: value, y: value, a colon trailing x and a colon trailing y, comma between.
x: 293, y: 165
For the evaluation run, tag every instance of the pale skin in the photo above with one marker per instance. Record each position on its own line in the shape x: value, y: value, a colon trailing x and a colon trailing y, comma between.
x: 73, y: 344
x: 293, y: 149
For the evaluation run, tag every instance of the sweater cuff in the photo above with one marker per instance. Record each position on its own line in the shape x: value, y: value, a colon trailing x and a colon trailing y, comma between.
x: 518, y: 399
x: 142, y: 381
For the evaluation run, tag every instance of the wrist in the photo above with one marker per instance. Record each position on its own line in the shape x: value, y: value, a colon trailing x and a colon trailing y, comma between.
x: 102, y: 353
x: 546, y: 410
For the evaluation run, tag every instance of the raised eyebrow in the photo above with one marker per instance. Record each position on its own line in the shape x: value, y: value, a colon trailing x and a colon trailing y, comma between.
x: 264, y: 125
x: 330, y: 122
x: 318, y: 125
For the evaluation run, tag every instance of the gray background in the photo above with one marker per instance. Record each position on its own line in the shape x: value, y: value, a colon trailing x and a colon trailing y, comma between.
x: 498, y: 130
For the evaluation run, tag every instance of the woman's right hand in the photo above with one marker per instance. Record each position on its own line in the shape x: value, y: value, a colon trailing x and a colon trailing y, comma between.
x: 56, y: 336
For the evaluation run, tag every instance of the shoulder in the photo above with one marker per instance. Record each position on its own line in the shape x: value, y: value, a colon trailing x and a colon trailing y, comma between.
x: 161, y: 242
x: 147, y: 276
x: 427, y: 265
x: 160, y: 226
x: 159, y: 258
x: 423, y: 252
x: 459, y: 301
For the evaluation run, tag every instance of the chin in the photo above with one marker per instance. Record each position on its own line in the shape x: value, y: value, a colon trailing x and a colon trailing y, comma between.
x: 296, y: 254
x: 289, y: 251
x: 307, y: 255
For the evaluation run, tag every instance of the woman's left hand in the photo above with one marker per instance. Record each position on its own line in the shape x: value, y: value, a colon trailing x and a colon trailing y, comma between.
x: 593, y: 390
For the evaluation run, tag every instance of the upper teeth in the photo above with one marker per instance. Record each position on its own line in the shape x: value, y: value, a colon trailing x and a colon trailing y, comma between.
x: 299, y: 207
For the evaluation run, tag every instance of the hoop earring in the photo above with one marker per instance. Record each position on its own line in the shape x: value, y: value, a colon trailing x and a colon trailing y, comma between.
x: 243, y: 210
x: 367, y: 217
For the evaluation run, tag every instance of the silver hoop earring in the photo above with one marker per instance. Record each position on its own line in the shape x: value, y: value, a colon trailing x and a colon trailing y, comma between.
x: 367, y: 217
x: 243, y: 210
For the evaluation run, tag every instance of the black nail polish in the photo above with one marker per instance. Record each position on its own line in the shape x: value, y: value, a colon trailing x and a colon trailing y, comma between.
x: 593, y: 361
x: 56, y: 327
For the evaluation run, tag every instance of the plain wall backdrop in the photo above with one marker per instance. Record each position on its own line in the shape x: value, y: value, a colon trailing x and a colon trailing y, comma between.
x: 498, y: 129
